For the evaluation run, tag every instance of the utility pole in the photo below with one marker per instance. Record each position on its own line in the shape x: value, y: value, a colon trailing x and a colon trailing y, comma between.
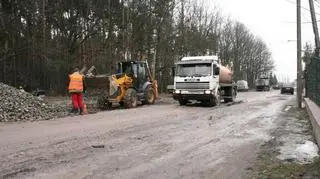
x: 315, y: 27
x: 299, y: 65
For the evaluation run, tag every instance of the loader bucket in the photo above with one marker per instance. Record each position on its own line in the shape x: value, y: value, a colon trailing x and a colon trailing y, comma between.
x: 98, y: 85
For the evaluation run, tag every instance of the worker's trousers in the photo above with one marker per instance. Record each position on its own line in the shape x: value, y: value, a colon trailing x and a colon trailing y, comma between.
x: 77, y: 100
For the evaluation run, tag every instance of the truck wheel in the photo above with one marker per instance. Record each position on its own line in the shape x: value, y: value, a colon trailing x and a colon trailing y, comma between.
x: 234, y: 94
x: 182, y: 102
x: 130, y: 98
x: 216, y: 99
x: 208, y: 103
x: 227, y: 100
x: 149, y: 96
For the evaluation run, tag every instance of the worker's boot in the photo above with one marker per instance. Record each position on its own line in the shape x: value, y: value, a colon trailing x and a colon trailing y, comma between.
x: 80, y: 111
x: 74, y: 110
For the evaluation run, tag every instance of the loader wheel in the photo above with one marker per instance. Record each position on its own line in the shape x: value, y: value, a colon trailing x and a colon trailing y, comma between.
x: 130, y: 98
x: 121, y: 103
x: 149, y: 96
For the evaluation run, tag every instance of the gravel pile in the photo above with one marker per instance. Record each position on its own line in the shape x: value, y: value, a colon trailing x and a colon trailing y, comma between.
x: 16, y: 105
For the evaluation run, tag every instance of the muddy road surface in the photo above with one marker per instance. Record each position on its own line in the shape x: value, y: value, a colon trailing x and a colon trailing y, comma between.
x: 160, y: 141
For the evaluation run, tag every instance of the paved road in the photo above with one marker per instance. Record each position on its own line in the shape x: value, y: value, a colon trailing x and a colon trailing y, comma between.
x: 160, y: 141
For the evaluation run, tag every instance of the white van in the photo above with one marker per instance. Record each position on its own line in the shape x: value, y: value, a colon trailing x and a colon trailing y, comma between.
x: 242, y: 85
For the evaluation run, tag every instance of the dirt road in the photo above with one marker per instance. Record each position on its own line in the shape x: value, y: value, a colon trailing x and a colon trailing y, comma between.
x: 160, y: 141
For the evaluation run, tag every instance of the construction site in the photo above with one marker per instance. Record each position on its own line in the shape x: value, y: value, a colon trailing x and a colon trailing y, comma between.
x: 159, y: 89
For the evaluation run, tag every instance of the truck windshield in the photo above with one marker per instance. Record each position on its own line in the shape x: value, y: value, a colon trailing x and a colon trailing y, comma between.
x: 194, y: 69
x: 261, y: 81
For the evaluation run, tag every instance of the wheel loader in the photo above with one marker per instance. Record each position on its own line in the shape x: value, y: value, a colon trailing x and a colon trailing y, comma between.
x: 133, y: 82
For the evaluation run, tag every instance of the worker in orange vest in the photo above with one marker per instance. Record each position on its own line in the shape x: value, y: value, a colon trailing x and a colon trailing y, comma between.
x: 76, y: 88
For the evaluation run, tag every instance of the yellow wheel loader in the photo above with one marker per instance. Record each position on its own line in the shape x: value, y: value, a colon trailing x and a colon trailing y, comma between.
x: 132, y: 83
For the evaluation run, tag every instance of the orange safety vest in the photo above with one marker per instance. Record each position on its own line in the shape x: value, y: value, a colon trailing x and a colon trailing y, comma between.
x: 76, y: 83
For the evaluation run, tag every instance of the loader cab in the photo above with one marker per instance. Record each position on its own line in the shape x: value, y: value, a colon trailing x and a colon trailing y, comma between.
x: 136, y: 70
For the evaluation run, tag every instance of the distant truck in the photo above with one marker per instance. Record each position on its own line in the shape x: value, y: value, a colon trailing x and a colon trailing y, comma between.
x: 204, y: 79
x: 262, y: 84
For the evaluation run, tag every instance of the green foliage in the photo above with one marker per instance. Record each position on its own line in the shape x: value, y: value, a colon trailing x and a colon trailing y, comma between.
x: 312, y: 74
x: 273, y: 79
x: 312, y: 79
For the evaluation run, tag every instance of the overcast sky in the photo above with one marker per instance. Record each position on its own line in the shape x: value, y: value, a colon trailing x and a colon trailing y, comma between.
x: 274, y: 21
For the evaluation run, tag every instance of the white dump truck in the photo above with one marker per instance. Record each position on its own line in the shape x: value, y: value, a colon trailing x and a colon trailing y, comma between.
x: 204, y: 79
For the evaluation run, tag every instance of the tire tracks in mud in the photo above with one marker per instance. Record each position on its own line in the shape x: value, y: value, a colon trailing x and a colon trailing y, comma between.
x: 165, y: 138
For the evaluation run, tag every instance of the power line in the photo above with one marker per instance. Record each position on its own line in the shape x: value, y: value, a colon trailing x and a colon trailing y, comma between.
x: 304, y: 8
x: 305, y: 17
x: 317, y: 4
x: 308, y: 22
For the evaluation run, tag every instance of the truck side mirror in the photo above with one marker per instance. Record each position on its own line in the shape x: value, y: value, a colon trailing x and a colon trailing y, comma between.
x: 217, y: 71
x: 173, y: 71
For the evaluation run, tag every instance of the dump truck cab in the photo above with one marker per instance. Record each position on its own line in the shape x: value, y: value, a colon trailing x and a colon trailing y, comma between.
x: 193, y: 75
x: 204, y: 79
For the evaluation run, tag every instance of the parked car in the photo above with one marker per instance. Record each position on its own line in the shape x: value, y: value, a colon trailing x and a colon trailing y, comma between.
x: 242, y: 85
x: 287, y: 88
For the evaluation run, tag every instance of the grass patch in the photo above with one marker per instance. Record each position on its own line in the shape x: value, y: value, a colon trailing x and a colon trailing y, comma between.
x: 284, y: 170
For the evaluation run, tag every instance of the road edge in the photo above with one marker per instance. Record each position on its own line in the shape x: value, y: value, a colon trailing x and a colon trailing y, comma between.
x: 268, y: 165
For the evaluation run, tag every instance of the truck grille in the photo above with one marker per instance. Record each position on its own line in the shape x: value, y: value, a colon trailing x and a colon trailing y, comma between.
x: 192, y: 85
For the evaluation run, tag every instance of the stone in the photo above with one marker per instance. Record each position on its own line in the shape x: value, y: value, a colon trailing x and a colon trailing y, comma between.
x: 22, y: 106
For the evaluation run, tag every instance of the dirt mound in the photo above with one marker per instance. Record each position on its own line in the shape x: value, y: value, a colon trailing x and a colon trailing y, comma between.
x: 18, y: 105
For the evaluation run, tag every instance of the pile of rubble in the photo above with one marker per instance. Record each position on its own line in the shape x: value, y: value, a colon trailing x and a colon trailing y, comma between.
x: 16, y: 105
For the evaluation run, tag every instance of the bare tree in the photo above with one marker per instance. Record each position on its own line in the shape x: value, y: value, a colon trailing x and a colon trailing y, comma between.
x: 41, y: 39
